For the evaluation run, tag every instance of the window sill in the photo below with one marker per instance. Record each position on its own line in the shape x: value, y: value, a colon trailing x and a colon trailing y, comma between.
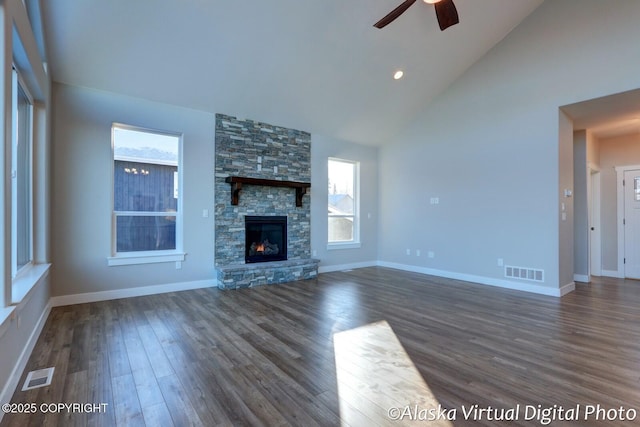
x: 26, y: 281
x: 20, y: 288
x: 345, y: 245
x: 146, y: 258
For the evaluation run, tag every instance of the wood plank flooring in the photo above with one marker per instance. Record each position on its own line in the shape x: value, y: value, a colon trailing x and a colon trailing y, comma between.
x: 265, y: 356
x: 376, y: 378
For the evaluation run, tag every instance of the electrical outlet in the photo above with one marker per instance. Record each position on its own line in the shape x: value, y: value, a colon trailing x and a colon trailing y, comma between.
x: 178, y: 265
x: 205, y: 213
x: 431, y: 254
x: 275, y: 169
x: 315, y: 253
x: 500, y: 262
x: 417, y: 252
x: 408, y: 251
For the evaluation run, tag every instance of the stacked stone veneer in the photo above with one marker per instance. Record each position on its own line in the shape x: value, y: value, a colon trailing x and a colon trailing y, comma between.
x: 239, y: 145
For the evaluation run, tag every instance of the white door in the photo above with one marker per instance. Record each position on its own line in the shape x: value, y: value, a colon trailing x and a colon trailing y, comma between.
x: 632, y: 224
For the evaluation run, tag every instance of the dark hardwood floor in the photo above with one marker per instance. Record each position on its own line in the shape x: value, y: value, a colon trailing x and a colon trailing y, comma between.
x: 265, y: 356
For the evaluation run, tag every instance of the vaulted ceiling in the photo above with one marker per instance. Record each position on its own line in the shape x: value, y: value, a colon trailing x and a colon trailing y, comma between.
x: 316, y: 66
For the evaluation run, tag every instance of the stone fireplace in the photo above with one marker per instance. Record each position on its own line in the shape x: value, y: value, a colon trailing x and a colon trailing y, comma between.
x: 262, y: 171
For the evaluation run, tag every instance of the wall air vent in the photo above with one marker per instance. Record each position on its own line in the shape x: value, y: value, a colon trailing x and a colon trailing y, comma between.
x: 524, y: 273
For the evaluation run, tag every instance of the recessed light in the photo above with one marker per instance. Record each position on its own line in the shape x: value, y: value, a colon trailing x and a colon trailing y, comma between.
x: 398, y: 74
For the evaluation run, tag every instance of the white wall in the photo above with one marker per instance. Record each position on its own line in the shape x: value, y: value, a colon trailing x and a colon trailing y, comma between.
x: 82, y: 191
x: 565, y: 196
x: 20, y: 336
x: 593, y: 149
x: 321, y: 149
x: 580, y: 204
x: 495, y: 151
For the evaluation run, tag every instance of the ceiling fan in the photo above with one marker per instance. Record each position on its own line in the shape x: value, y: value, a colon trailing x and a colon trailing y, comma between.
x: 445, y: 11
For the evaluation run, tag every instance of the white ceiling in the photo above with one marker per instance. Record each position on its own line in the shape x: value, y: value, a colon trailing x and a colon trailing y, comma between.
x: 607, y: 117
x: 317, y: 66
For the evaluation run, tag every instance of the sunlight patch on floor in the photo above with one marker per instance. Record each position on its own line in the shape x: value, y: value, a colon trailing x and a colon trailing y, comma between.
x: 378, y: 384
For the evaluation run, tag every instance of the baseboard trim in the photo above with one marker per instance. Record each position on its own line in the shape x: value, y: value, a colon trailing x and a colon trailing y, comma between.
x: 581, y: 278
x: 500, y: 283
x: 612, y: 273
x: 130, y: 292
x: 21, y: 363
x: 569, y: 287
x: 341, y: 267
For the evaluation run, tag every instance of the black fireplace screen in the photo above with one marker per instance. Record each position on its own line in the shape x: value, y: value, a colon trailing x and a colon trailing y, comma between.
x: 266, y: 238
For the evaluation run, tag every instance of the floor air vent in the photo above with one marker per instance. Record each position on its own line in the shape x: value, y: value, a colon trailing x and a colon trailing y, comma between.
x: 524, y: 273
x: 40, y: 378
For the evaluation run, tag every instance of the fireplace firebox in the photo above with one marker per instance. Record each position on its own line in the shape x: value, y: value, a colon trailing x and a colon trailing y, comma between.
x: 266, y: 238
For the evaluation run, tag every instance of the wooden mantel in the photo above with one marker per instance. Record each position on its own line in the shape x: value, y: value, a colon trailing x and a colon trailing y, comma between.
x: 237, y: 181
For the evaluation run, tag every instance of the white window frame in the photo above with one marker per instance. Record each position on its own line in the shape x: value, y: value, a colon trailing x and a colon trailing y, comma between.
x: 355, y: 242
x: 17, y: 273
x: 146, y: 257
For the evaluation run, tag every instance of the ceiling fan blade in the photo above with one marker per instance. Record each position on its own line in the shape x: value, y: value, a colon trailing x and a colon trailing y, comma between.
x: 394, y: 14
x: 447, y: 14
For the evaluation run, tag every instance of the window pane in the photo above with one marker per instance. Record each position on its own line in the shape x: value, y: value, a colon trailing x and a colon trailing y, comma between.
x: 145, y: 233
x: 23, y: 183
x: 340, y: 204
x: 145, y: 171
x: 341, y: 180
x: 340, y: 229
x: 145, y: 187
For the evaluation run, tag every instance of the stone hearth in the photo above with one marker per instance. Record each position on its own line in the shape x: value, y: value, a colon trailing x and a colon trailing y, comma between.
x: 265, y: 273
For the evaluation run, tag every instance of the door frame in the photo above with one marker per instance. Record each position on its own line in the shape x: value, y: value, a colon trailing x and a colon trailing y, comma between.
x: 620, y: 170
x: 594, y: 215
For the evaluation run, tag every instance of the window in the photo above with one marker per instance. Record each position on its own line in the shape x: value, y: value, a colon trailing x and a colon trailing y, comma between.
x: 21, y: 182
x: 343, y: 204
x: 146, y: 196
x: 25, y: 170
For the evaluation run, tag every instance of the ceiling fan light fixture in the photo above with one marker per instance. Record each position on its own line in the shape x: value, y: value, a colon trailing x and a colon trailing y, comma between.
x: 446, y: 13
